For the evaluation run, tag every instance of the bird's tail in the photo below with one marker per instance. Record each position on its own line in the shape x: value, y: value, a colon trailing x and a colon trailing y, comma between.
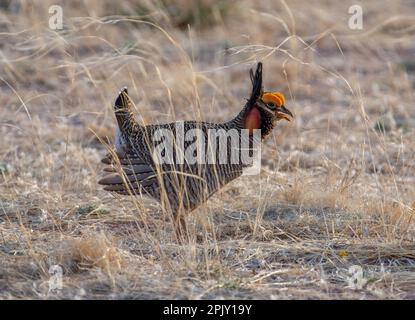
x: 126, y: 125
x: 123, y: 112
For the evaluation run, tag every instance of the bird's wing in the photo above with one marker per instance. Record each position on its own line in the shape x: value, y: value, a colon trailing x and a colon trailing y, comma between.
x: 127, y: 174
x: 185, y: 186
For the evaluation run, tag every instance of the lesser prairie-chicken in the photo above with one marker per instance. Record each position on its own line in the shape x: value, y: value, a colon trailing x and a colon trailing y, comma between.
x: 182, y: 186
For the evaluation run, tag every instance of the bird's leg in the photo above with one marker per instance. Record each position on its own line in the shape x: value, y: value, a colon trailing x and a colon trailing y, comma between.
x: 181, y: 229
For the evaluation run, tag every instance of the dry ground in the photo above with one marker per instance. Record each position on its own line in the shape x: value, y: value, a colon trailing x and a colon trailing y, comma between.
x: 337, y: 187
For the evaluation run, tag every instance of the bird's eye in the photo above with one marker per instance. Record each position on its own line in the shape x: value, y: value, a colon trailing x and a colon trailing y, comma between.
x: 271, y: 105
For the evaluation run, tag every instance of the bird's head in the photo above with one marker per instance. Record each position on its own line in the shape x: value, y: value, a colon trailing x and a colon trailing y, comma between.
x: 264, y: 109
x: 274, y: 104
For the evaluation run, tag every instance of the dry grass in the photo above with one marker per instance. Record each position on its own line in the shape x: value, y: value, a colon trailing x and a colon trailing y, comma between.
x: 337, y: 185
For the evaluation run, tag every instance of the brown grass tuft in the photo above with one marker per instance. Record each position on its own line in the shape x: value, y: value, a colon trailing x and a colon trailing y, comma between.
x: 95, y: 251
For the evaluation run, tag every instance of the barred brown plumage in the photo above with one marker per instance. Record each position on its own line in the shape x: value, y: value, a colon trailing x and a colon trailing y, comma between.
x: 183, y: 186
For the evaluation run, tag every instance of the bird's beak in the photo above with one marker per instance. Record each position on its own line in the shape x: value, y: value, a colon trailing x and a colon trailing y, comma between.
x: 284, y: 113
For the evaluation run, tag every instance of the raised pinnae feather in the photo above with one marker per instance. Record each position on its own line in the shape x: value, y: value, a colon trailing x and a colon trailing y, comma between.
x: 257, y: 87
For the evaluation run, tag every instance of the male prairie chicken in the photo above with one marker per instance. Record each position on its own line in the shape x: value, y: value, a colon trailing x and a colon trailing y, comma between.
x: 181, y: 186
